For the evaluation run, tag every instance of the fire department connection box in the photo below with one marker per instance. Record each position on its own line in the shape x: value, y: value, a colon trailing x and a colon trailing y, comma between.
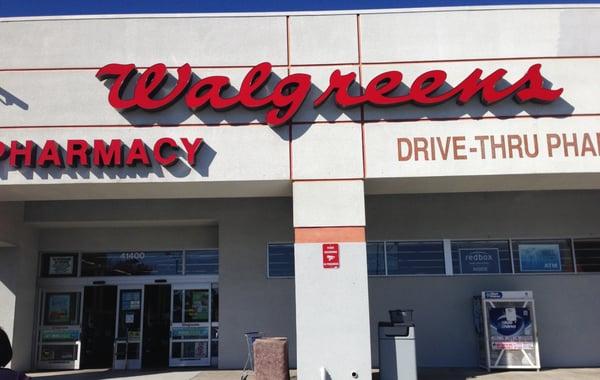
x: 507, y: 330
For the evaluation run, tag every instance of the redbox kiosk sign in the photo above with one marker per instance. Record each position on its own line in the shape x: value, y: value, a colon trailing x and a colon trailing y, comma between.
x: 331, y: 256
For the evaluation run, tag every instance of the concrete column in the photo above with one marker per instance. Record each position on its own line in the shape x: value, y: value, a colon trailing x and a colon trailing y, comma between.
x: 18, y: 272
x: 249, y: 301
x: 332, y: 304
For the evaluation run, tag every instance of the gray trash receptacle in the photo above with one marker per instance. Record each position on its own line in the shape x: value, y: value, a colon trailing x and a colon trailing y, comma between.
x: 397, y: 352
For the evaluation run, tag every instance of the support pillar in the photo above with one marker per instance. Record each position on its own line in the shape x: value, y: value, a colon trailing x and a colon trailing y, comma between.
x: 18, y: 273
x: 332, y: 304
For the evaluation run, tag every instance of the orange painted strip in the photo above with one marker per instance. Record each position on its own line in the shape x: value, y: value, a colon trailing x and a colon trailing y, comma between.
x: 330, y: 234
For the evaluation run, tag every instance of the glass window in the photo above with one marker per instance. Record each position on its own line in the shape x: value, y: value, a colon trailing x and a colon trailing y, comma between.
x: 214, y: 308
x: 204, y: 261
x: 59, y: 265
x: 176, y: 350
x: 540, y: 256
x: 177, y: 305
x: 281, y: 260
x: 195, y: 350
x: 49, y: 352
x: 376, y: 258
x: 587, y: 255
x: 132, y: 263
x: 133, y: 351
x: 214, y: 348
x: 481, y: 256
x: 415, y: 257
x: 61, y: 309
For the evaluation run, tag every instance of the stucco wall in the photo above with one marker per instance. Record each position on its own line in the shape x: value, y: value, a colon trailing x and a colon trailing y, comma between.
x: 98, y: 239
x: 248, y: 300
x: 50, y: 91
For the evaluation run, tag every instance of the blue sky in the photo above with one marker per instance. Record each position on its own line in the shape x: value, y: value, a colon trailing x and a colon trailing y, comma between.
x: 16, y: 8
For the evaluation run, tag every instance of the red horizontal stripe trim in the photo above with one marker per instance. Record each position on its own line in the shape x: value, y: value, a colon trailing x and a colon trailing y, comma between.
x: 373, y: 63
x: 138, y: 67
x: 327, y: 179
x: 491, y: 59
x: 369, y: 121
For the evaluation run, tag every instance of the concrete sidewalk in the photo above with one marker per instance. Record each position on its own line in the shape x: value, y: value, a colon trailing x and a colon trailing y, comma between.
x: 424, y: 374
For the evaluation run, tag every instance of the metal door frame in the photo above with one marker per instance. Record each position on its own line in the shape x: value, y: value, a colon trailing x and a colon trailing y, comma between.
x: 129, y: 363
x: 181, y: 362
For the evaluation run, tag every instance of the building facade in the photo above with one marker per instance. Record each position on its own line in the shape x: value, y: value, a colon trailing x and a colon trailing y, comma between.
x: 171, y: 182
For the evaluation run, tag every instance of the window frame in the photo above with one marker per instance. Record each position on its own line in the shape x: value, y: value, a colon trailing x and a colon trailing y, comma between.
x: 570, y: 244
x: 79, y: 258
x: 416, y: 274
x: 385, y: 266
x: 448, y: 252
x: 583, y: 238
x: 185, y: 253
x: 42, y: 258
x: 510, y: 251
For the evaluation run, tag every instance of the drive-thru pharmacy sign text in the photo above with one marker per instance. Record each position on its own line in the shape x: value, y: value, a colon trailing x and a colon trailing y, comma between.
x: 288, y: 94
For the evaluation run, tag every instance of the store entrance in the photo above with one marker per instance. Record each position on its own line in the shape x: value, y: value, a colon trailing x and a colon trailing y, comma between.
x: 98, y: 326
x: 157, y: 326
x: 127, y: 309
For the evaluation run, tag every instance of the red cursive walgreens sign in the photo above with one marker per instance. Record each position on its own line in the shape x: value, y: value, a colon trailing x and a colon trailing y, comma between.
x: 290, y: 92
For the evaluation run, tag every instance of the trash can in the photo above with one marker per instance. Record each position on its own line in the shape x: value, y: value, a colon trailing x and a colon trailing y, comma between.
x: 397, y: 353
x: 271, y: 359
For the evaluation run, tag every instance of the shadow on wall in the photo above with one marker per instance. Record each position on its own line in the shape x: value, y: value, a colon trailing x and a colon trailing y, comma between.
x: 8, y: 99
x: 178, y: 112
x: 330, y: 112
x: 474, y: 109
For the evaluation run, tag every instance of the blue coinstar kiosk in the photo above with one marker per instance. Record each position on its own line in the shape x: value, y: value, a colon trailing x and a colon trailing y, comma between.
x: 507, y: 330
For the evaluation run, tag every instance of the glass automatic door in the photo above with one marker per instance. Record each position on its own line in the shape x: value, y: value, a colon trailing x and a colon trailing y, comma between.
x: 128, y: 340
x: 190, y: 326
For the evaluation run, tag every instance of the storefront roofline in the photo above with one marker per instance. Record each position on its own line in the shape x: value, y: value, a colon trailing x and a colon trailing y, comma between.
x: 301, y: 13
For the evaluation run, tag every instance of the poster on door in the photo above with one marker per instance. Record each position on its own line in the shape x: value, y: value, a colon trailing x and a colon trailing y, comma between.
x: 196, y: 306
x: 61, y: 266
x: 59, y: 307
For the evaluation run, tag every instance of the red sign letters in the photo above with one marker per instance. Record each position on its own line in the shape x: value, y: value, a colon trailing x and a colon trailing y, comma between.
x: 98, y: 153
x: 290, y: 92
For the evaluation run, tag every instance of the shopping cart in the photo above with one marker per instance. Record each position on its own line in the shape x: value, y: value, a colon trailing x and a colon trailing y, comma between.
x: 249, y: 366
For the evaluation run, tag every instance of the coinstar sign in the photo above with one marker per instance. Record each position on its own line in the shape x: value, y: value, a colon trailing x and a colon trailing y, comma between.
x: 479, y: 260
